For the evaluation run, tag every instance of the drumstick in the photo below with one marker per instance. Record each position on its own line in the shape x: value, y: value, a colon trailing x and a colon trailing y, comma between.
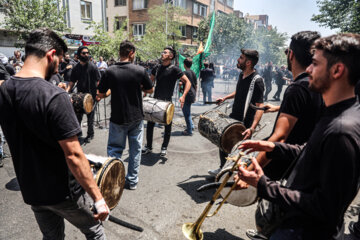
x: 259, y: 108
x: 125, y: 224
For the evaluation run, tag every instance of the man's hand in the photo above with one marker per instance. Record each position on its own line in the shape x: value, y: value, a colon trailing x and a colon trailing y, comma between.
x: 240, y: 184
x: 182, y: 100
x: 102, y: 210
x: 69, y: 66
x: 271, y: 108
x: 220, y: 101
x: 248, y: 133
x: 62, y: 85
x: 257, y: 145
x: 251, y: 177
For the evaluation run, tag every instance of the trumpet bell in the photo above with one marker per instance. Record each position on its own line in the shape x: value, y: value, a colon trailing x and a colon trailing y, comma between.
x: 189, y: 231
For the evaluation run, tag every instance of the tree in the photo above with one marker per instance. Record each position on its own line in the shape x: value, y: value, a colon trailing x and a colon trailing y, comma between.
x: 231, y: 34
x: 155, y: 38
x: 339, y: 14
x: 23, y: 16
x: 109, y: 43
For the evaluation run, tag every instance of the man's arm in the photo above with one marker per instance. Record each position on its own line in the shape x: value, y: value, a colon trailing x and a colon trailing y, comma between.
x: 249, y: 132
x: 80, y: 168
x: 230, y: 96
x: 187, y: 82
x: 70, y: 86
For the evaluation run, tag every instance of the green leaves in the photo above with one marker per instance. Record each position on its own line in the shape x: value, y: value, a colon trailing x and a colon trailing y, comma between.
x: 339, y: 14
x: 23, y: 16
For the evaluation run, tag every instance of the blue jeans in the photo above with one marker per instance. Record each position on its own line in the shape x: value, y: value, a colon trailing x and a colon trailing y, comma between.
x: 206, y: 89
x: 187, y: 115
x: 117, y: 143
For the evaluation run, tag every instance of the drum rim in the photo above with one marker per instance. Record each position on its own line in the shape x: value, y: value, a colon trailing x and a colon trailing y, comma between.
x: 228, y: 128
x: 100, y: 174
x: 169, y: 108
x: 87, y: 95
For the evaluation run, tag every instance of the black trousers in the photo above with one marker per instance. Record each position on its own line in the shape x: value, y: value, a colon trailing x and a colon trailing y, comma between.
x: 150, y: 133
x: 278, y: 92
x: 90, y: 121
x: 268, y: 89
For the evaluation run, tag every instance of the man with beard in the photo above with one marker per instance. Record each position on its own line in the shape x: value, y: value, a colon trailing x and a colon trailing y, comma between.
x: 41, y: 127
x: 166, y: 76
x: 319, y: 188
x: 249, y: 89
x: 87, y: 76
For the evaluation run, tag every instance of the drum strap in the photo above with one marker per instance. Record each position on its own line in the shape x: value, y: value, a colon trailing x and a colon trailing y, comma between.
x: 250, y: 94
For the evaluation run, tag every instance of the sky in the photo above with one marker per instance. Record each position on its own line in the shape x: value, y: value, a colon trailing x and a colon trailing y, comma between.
x: 290, y: 16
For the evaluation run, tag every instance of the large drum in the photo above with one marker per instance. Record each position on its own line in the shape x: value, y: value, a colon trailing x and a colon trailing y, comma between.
x: 240, y: 198
x: 109, y: 174
x: 220, y: 129
x: 158, y: 111
x: 82, y: 102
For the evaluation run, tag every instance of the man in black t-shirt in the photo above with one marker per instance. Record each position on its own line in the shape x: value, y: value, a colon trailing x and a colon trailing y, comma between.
x: 207, y: 76
x: 40, y: 127
x: 66, y: 68
x: 267, y: 74
x: 165, y: 76
x: 249, y: 89
x: 319, y: 188
x: 280, y: 80
x: 87, y: 77
x: 126, y: 81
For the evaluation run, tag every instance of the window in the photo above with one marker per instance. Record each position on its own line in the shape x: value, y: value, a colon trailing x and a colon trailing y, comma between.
x: 222, y: 1
x: 183, y: 31
x: 195, y: 32
x: 179, y: 3
x: 139, y: 29
x: 86, y: 11
x: 139, y: 4
x: 230, y: 3
x: 119, y: 21
x: 196, y: 8
x: 200, y: 9
x: 120, y: 3
x: 203, y: 10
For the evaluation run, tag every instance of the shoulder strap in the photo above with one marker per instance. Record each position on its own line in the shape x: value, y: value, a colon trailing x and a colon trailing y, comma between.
x: 250, y: 93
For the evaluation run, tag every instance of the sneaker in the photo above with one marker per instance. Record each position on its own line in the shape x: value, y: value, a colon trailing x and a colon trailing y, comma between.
x: 214, y: 172
x: 88, y: 139
x: 255, y: 235
x: 186, y: 133
x: 163, y: 152
x: 130, y: 186
x: 146, y: 150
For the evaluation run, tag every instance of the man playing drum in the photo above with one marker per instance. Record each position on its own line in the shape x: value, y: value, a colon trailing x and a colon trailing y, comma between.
x: 87, y: 77
x: 325, y: 178
x: 41, y: 129
x: 249, y: 85
x: 166, y: 76
x: 126, y: 81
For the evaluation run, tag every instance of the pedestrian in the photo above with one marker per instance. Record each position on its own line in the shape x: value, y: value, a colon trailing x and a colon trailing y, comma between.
x: 311, y: 208
x: 101, y: 65
x: 165, y: 75
x: 66, y: 68
x: 87, y: 77
x: 280, y: 81
x: 126, y: 81
x: 249, y: 89
x: 40, y: 127
x: 190, y: 97
x: 5, y: 61
x: 17, y: 61
x: 4, y: 75
x: 207, y: 76
x: 267, y: 74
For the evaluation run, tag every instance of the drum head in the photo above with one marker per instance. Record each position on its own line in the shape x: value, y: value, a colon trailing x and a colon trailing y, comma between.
x: 240, y: 198
x: 111, y: 180
x: 88, y: 103
x: 231, y: 135
x: 169, y: 113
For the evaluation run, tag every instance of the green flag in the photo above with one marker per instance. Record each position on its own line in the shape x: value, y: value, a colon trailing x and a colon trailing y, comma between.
x: 209, y: 40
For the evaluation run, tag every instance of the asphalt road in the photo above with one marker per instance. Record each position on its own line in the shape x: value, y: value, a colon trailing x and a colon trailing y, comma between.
x: 166, y: 196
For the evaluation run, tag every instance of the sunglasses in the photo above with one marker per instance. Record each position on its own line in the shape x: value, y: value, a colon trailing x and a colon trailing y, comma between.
x: 84, y: 53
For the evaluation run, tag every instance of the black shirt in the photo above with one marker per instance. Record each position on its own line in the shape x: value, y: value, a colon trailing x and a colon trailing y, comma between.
x: 306, y: 106
x: 279, y: 77
x: 357, y: 88
x: 87, y: 77
x: 42, y: 115
x: 55, y: 79
x: 207, y: 75
x: 166, y: 77
x: 191, y: 96
x: 242, y: 89
x: 267, y: 74
x: 4, y: 75
x: 325, y: 178
x: 67, y: 72
x: 125, y: 79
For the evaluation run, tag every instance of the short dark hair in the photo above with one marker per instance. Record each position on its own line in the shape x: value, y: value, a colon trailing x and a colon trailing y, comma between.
x: 301, y: 43
x: 172, y: 50
x: 251, y: 55
x: 188, y: 62
x: 206, y: 65
x: 344, y: 48
x: 126, y: 47
x: 42, y: 40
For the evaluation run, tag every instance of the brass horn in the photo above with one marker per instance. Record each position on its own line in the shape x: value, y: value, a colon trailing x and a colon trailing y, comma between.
x: 192, y: 231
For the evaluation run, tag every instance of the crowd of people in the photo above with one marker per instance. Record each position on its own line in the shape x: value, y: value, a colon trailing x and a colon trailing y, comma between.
x: 315, y: 139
